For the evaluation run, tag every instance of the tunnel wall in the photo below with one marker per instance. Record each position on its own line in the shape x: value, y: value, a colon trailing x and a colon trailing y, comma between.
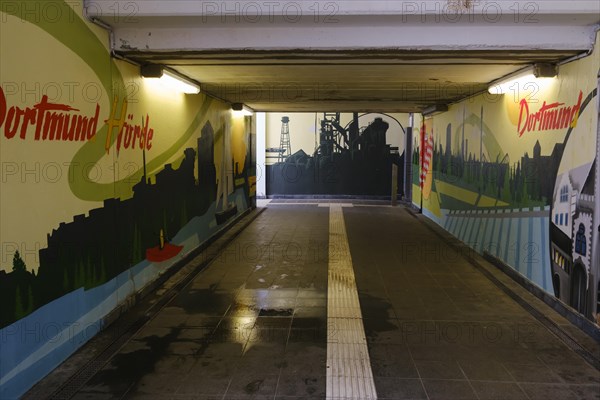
x: 516, y: 176
x: 107, y: 181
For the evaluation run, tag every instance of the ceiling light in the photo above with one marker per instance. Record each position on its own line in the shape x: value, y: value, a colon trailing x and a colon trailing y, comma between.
x: 170, y: 78
x: 529, y: 75
x: 241, y: 109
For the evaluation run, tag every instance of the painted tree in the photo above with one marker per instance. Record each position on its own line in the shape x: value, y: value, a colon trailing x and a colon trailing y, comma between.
x: 136, y: 247
x: 184, y: 213
x: 19, y: 308
x: 65, y: 282
x: 90, y: 278
x: 102, y: 278
x: 525, y: 194
x: 506, y: 197
x: 29, y: 300
x: 18, y: 263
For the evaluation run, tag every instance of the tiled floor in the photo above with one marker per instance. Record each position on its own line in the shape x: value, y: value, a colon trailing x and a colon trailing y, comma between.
x: 253, y: 325
x: 437, y: 328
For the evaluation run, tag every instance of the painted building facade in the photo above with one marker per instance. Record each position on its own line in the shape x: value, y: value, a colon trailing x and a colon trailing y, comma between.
x: 515, y: 176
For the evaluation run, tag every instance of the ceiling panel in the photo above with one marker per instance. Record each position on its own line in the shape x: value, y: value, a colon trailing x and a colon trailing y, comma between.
x: 375, y: 80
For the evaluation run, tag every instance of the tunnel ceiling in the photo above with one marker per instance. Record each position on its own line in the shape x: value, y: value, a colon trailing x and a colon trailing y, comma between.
x: 361, y: 81
x: 347, y: 55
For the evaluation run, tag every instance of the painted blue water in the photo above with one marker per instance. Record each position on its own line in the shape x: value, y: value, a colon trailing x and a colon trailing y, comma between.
x: 521, y: 242
x: 33, y: 346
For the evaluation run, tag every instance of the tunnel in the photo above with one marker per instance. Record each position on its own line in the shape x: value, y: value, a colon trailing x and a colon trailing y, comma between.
x: 335, y: 200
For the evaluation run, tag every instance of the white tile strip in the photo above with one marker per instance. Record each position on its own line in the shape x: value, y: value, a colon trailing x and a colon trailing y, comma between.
x: 349, y: 374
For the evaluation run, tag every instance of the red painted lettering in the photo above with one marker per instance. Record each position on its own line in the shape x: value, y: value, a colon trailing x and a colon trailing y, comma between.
x: 2, y: 106
x: 551, y: 116
x: 524, y: 109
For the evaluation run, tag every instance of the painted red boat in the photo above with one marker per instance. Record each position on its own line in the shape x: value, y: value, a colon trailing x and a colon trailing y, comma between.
x: 156, y: 254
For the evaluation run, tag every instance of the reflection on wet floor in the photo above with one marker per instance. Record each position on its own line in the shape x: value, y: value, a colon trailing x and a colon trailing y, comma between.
x: 253, y: 325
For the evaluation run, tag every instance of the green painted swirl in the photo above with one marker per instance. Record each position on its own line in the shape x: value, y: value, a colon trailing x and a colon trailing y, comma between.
x: 76, y: 34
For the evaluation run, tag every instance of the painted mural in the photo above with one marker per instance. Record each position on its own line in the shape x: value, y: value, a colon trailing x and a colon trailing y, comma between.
x: 107, y: 181
x: 351, y: 156
x: 516, y: 176
x: 574, y: 223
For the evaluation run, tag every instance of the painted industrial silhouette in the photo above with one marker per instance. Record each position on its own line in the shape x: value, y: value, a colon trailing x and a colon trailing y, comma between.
x: 347, y: 161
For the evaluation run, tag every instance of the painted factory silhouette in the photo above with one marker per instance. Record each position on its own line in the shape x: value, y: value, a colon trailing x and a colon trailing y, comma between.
x: 348, y: 161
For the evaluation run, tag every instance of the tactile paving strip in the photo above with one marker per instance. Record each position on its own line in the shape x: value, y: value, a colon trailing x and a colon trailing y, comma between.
x: 349, y: 374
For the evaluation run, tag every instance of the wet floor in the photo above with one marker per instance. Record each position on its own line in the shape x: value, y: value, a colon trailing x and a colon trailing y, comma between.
x: 253, y: 324
x: 437, y: 328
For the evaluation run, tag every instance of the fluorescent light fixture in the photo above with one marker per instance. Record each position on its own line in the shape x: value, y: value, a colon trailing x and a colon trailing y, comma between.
x: 178, y: 83
x: 504, y: 86
x: 170, y: 79
x: 522, y: 78
x: 241, y: 109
